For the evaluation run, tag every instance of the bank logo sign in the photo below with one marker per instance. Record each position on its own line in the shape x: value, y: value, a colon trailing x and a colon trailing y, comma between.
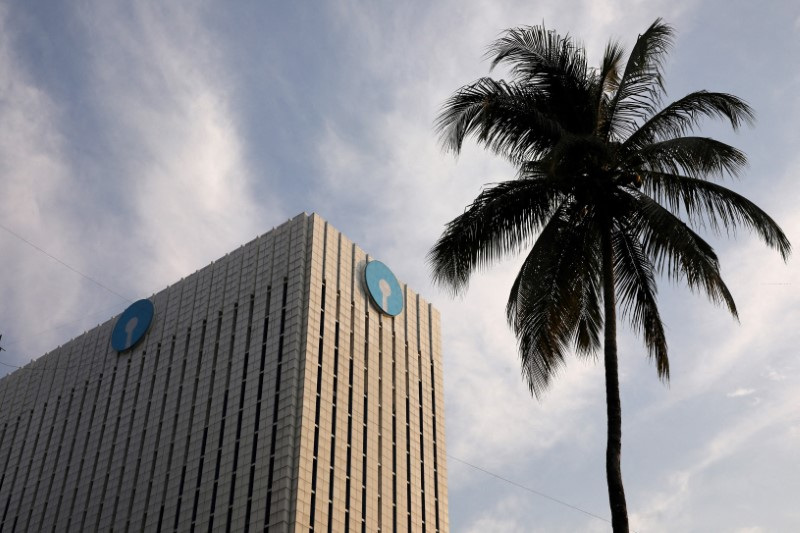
x: 131, y: 325
x: 383, y: 288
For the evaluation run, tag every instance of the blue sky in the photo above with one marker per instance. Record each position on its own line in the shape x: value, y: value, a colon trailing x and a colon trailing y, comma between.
x: 142, y: 140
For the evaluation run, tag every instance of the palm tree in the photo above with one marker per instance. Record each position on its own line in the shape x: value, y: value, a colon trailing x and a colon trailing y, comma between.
x: 609, y: 186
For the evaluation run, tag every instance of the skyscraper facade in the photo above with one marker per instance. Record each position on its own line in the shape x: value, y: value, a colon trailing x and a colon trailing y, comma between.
x: 292, y: 385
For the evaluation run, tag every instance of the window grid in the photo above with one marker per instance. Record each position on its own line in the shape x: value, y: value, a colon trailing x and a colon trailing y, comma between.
x: 274, y: 433
x: 124, y: 448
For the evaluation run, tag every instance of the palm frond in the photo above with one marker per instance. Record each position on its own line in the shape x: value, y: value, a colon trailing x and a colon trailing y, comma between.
x: 535, y: 52
x: 508, y: 119
x: 676, y: 250
x: 697, y: 157
x: 553, y: 301
x: 719, y: 207
x: 608, y: 78
x: 682, y: 116
x: 596, y: 157
x: 641, y: 86
x: 573, y: 158
x: 502, y: 219
x: 555, y: 68
x: 636, y: 290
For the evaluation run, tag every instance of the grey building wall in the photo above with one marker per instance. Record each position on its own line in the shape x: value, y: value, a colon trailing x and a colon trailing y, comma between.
x: 268, y: 395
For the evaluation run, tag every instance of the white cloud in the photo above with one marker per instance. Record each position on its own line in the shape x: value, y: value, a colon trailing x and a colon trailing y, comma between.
x: 730, y: 448
x: 740, y: 392
x: 496, y: 523
x: 774, y: 374
x: 163, y: 79
x: 503, y: 515
x: 34, y: 204
x: 162, y: 102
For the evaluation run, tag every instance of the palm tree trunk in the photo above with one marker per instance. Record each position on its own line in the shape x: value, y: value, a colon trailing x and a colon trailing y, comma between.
x: 616, y: 492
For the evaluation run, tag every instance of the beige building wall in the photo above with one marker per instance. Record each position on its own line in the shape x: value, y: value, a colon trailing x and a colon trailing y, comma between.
x: 372, y: 444
x: 268, y: 395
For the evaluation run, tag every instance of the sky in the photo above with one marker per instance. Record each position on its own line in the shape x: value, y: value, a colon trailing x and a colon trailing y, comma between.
x: 142, y: 140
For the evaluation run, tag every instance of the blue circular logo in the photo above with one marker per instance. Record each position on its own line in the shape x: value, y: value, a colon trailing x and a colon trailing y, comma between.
x: 383, y: 288
x: 132, y: 325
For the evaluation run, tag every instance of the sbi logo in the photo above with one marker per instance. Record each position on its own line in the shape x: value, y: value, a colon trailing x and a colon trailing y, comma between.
x: 131, y: 325
x: 383, y: 288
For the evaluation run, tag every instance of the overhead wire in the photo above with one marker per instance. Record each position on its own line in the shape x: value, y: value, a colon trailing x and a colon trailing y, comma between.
x: 51, y: 256
x: 66, y: 265
x: 533, y: 491
x: 103, y: 311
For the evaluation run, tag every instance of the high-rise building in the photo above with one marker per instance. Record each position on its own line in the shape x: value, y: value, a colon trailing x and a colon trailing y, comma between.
x: 292, y: 385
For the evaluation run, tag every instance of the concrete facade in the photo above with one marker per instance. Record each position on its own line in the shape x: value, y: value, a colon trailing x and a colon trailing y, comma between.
x: 269, y: 394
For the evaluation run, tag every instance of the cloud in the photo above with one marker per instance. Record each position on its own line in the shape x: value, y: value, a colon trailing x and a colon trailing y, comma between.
x: 774, y: 374
x: 163, y: 80
x: 740, y: 392
x: 502, y: 515
x: 723, y: 462
x: 34, y: 204
x: 159, y: 191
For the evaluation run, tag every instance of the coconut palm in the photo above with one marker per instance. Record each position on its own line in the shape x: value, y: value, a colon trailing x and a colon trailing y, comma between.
x: 609, y: 187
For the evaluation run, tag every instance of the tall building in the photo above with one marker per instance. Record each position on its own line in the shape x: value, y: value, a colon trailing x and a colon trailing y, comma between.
x: 292, y: 385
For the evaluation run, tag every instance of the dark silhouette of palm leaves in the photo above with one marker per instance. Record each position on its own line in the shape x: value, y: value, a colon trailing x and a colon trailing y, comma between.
x: 593, y: 147
x: 611, y: 186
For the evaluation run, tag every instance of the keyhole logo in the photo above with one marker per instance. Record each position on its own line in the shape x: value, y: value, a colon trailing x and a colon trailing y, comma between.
x: 132, y: 325
x: 383, y: 288
x: 386, y: 291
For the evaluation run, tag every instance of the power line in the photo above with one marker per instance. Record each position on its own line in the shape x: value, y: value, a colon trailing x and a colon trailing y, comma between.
x: 103, y: 311
x: 51, y: 256
x: 536, y: 492
x: 85, y: 276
